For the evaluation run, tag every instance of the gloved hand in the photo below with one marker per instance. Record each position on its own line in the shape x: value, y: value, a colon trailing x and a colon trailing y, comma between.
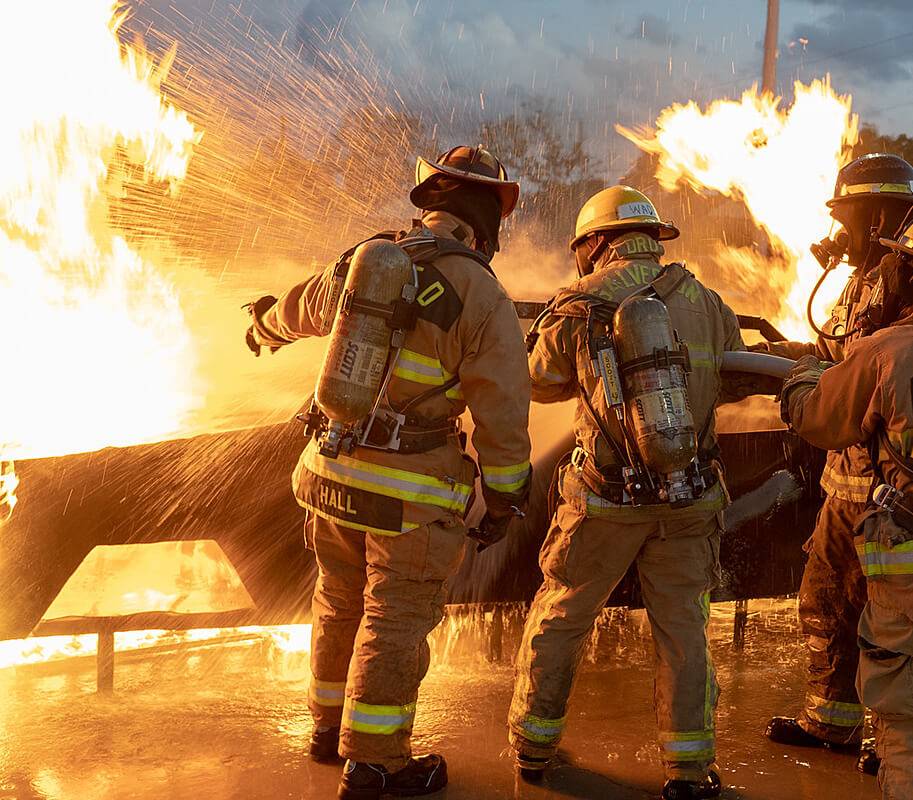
x: 807, y: 371
x: 256, y: 310
x: 490, y: 530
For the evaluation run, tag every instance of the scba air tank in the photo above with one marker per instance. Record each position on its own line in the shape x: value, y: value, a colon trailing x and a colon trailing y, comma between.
x: 658, y: 412
x: 359, y: 343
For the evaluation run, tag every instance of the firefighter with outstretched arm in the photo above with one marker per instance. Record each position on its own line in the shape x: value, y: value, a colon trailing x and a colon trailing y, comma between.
x: 867, y: 401
x: 871, y: 198
x: 639, y: 345
x: 420, y: 330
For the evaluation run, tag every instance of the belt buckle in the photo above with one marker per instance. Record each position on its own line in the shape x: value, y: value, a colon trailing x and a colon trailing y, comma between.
x: 886, y: 497
x: 578, y: 458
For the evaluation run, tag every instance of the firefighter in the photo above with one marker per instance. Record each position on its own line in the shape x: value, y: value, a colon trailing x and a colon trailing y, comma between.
x: 387, y: 524
x: 867, y: 398
x: 872, y: 196
x: 606, y: 520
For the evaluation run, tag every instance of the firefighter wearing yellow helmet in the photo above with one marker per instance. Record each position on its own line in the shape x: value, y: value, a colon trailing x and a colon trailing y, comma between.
x: 419, y: 330
x: 639, y: 346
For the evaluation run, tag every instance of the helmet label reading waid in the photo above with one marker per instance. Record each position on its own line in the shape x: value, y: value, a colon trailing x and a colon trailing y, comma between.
x: 637, y: 209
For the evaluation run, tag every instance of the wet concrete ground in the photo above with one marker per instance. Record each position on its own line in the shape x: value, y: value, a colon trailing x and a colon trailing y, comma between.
x: 231, y: 722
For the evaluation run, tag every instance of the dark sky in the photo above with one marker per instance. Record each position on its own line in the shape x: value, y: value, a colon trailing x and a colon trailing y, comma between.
x: 610, y: 60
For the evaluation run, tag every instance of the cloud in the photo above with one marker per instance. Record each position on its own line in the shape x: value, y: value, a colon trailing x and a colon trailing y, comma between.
x: 848, y: 39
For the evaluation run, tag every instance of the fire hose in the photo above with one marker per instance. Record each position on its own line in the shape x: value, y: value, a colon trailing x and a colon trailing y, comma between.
x: 757, y: 364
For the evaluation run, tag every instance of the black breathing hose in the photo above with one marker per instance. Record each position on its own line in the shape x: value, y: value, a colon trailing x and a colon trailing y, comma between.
x: 830, y: 337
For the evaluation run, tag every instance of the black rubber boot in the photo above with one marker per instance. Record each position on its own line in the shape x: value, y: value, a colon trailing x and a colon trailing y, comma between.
x: 423, y: 775
x: 787, y: 730
x: 325, y: 745
x: 868, y: 762
x: 710, y: 786
x: 531, y: 768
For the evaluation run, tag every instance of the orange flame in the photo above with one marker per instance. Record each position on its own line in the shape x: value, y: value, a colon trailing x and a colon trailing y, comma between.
x: 104, y: 354
x: 780, y: 162
x: 46, y: 649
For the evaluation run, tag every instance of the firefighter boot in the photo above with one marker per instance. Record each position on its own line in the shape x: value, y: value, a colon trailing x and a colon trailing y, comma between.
x: 422, y: 775
x: 708, y: 787
x: 869, y: 761
x: 787, y: 730
x: 531, y: 768
x: 325, y: 744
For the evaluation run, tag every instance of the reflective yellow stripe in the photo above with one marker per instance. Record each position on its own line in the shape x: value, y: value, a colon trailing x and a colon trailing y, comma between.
x: 681, y: 746
x: 331, y: 694
x: 833, y: 712
x: 381, y: 720
x: 877, y: 188
x: 347, y: 523
x: 854, y: 488
x: 506, y: 479
x: 710, y: 676
x: 399, y: 483
x: 878, y: 559
x: 902, y: 441
x: 540, y: 729
x: 428, y: 371
x: 702, y: 354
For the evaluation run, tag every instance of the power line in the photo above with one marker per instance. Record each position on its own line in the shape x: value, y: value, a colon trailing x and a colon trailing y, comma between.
x: 827, y: 56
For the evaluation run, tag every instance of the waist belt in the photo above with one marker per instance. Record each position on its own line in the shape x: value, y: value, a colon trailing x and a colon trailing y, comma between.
x: 896, y: 503
x: 414, y: 436
x: 609, y: 481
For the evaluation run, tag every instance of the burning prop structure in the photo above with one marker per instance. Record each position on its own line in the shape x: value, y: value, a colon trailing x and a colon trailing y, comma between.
x: 108, y: 367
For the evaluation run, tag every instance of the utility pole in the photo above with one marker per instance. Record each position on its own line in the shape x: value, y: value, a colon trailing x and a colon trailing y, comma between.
x: 769, y: 78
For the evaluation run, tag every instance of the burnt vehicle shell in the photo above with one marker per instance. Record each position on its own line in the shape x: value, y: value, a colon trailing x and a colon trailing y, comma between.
x: 235, y: 488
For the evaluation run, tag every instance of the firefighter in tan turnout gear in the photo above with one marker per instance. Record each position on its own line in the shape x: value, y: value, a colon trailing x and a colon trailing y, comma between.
x: 872, y: 196
x: 423, y: 321
x: 868, y: 399
x: 643, y: 485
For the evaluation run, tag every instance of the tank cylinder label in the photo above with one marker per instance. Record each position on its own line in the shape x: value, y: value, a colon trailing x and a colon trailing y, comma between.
x: 667, y: 408
x: 360, y: 363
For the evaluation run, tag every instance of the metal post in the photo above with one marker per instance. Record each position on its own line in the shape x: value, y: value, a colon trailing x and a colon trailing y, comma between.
x: 769, y: 77
x: 105, y: 660
x: 740, y: 622
x: 496, y: 634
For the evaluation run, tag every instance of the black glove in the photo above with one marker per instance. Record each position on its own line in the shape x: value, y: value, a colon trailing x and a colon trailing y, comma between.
x: 256, y: 309
x: 490, y: 531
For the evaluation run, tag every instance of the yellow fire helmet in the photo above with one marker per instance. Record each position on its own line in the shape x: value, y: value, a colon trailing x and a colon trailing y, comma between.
x: 473, y: 164
x: 620, y: 208
x: 903, y: 243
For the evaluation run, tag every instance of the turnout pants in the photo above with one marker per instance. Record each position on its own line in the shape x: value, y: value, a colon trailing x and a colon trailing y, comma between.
x: 583, y: 559
x: 831, y: 598
x: 886, y: 650
x: 376, y: 600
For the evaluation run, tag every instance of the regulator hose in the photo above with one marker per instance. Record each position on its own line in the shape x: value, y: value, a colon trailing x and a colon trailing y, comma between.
x: 830, y: 337
x: 757, y: 363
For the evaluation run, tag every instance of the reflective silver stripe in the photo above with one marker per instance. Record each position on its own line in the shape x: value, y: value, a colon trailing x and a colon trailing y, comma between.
x: 379, y: 719
x: 543, y: 375
x: 689, y: 747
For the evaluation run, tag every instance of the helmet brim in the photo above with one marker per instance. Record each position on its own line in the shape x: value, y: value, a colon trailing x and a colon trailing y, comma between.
x: 874, y: 196
x: 896, y: 246
x: 665, y: 231
x: 508, y: 191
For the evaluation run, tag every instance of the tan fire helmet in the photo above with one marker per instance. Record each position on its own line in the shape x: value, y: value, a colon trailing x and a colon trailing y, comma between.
x: 903, y: 241
x: 473, y: 164
x: 620, y: 208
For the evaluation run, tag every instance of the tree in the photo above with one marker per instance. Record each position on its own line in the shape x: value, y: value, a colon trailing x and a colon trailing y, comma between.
x: 873, y: 141
x: 545, y: 150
